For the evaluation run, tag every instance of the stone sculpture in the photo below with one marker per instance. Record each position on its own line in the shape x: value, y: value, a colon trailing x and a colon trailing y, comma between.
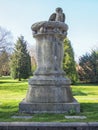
x: 49, y: 91
x: 58, y: 16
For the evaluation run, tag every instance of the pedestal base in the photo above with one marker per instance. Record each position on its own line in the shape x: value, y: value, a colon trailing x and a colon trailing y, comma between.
x: 25, y: 107
x: 49, y: 94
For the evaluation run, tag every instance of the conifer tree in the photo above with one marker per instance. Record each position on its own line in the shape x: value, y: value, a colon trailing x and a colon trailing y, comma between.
x: 69, y: 65
x: 20, y: 60
x: 88, y: 71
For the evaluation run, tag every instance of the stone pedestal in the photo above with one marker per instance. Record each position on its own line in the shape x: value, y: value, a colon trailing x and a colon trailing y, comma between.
x: 49, y: 91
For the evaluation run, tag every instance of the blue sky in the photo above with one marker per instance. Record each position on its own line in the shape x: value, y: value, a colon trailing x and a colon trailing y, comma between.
x: 81, y: 17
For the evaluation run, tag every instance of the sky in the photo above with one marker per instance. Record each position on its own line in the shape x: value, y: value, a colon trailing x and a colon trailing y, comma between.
x: 17, y: 16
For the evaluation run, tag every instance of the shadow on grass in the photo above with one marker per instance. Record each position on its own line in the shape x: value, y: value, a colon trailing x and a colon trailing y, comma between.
x: 13, y: 81
x: 87, y: 109
x: 79, y: 93
x: 3, y: 82
x: 7, y: 111
x: 87, y: 84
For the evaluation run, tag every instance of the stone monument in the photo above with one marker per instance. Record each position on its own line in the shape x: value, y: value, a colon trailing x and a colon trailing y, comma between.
x: 49, y: 91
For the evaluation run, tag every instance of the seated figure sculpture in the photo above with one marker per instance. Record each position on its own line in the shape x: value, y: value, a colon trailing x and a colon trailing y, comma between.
x: 58, y: 16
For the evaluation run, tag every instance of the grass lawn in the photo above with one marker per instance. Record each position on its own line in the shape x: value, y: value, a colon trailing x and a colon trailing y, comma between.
x: 12, y: 92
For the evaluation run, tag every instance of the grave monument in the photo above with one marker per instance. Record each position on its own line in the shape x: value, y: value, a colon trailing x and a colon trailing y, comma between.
x: 49, y: 90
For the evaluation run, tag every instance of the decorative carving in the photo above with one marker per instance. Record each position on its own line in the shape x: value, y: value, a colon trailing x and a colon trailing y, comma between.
x: 46, y: 27
x: 58, y: 16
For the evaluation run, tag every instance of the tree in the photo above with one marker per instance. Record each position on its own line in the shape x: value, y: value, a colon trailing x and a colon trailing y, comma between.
x: 5, y: 40
x: 89, y: 66
x: 4, y: 63
x: 32, y: 52
x: 20, y: 60
x: 69, y: 65
x: 6, y: 46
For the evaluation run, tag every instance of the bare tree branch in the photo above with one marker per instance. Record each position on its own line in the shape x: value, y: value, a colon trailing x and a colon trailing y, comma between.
x: 5, y: 39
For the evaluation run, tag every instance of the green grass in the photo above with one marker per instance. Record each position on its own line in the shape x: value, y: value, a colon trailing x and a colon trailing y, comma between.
x: 12, y: 92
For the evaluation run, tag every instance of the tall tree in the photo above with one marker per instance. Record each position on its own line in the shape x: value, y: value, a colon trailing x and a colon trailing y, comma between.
x: 69, y: 65
x: 4, y: 63
x: 20, y: 60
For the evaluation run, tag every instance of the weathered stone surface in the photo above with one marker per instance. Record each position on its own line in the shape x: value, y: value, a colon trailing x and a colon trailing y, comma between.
x: 49, y: 47
x: 93, y: 125
x: 48, y: 126
x: 49, y: 91
x: 50, y: 27
x: 38, y: 107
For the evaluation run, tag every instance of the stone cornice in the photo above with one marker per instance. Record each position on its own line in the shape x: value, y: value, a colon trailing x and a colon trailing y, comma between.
x: 49, y: 27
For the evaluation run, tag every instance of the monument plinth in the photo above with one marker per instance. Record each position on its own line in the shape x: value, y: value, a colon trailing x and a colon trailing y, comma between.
x: 49, y: 91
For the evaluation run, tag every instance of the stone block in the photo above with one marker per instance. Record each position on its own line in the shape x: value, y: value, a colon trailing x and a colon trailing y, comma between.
x: 26, y: 107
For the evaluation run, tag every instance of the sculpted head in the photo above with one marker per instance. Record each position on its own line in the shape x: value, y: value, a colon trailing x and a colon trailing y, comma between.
x: 59, y: 10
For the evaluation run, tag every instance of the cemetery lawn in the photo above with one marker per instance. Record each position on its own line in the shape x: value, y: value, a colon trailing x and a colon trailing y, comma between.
x: 13, y: 91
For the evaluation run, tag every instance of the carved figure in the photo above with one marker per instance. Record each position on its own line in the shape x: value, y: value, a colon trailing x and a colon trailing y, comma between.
x: 58, y: 16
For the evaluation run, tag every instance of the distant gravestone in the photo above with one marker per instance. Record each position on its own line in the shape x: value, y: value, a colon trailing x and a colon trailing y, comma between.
x: 49, y: 91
